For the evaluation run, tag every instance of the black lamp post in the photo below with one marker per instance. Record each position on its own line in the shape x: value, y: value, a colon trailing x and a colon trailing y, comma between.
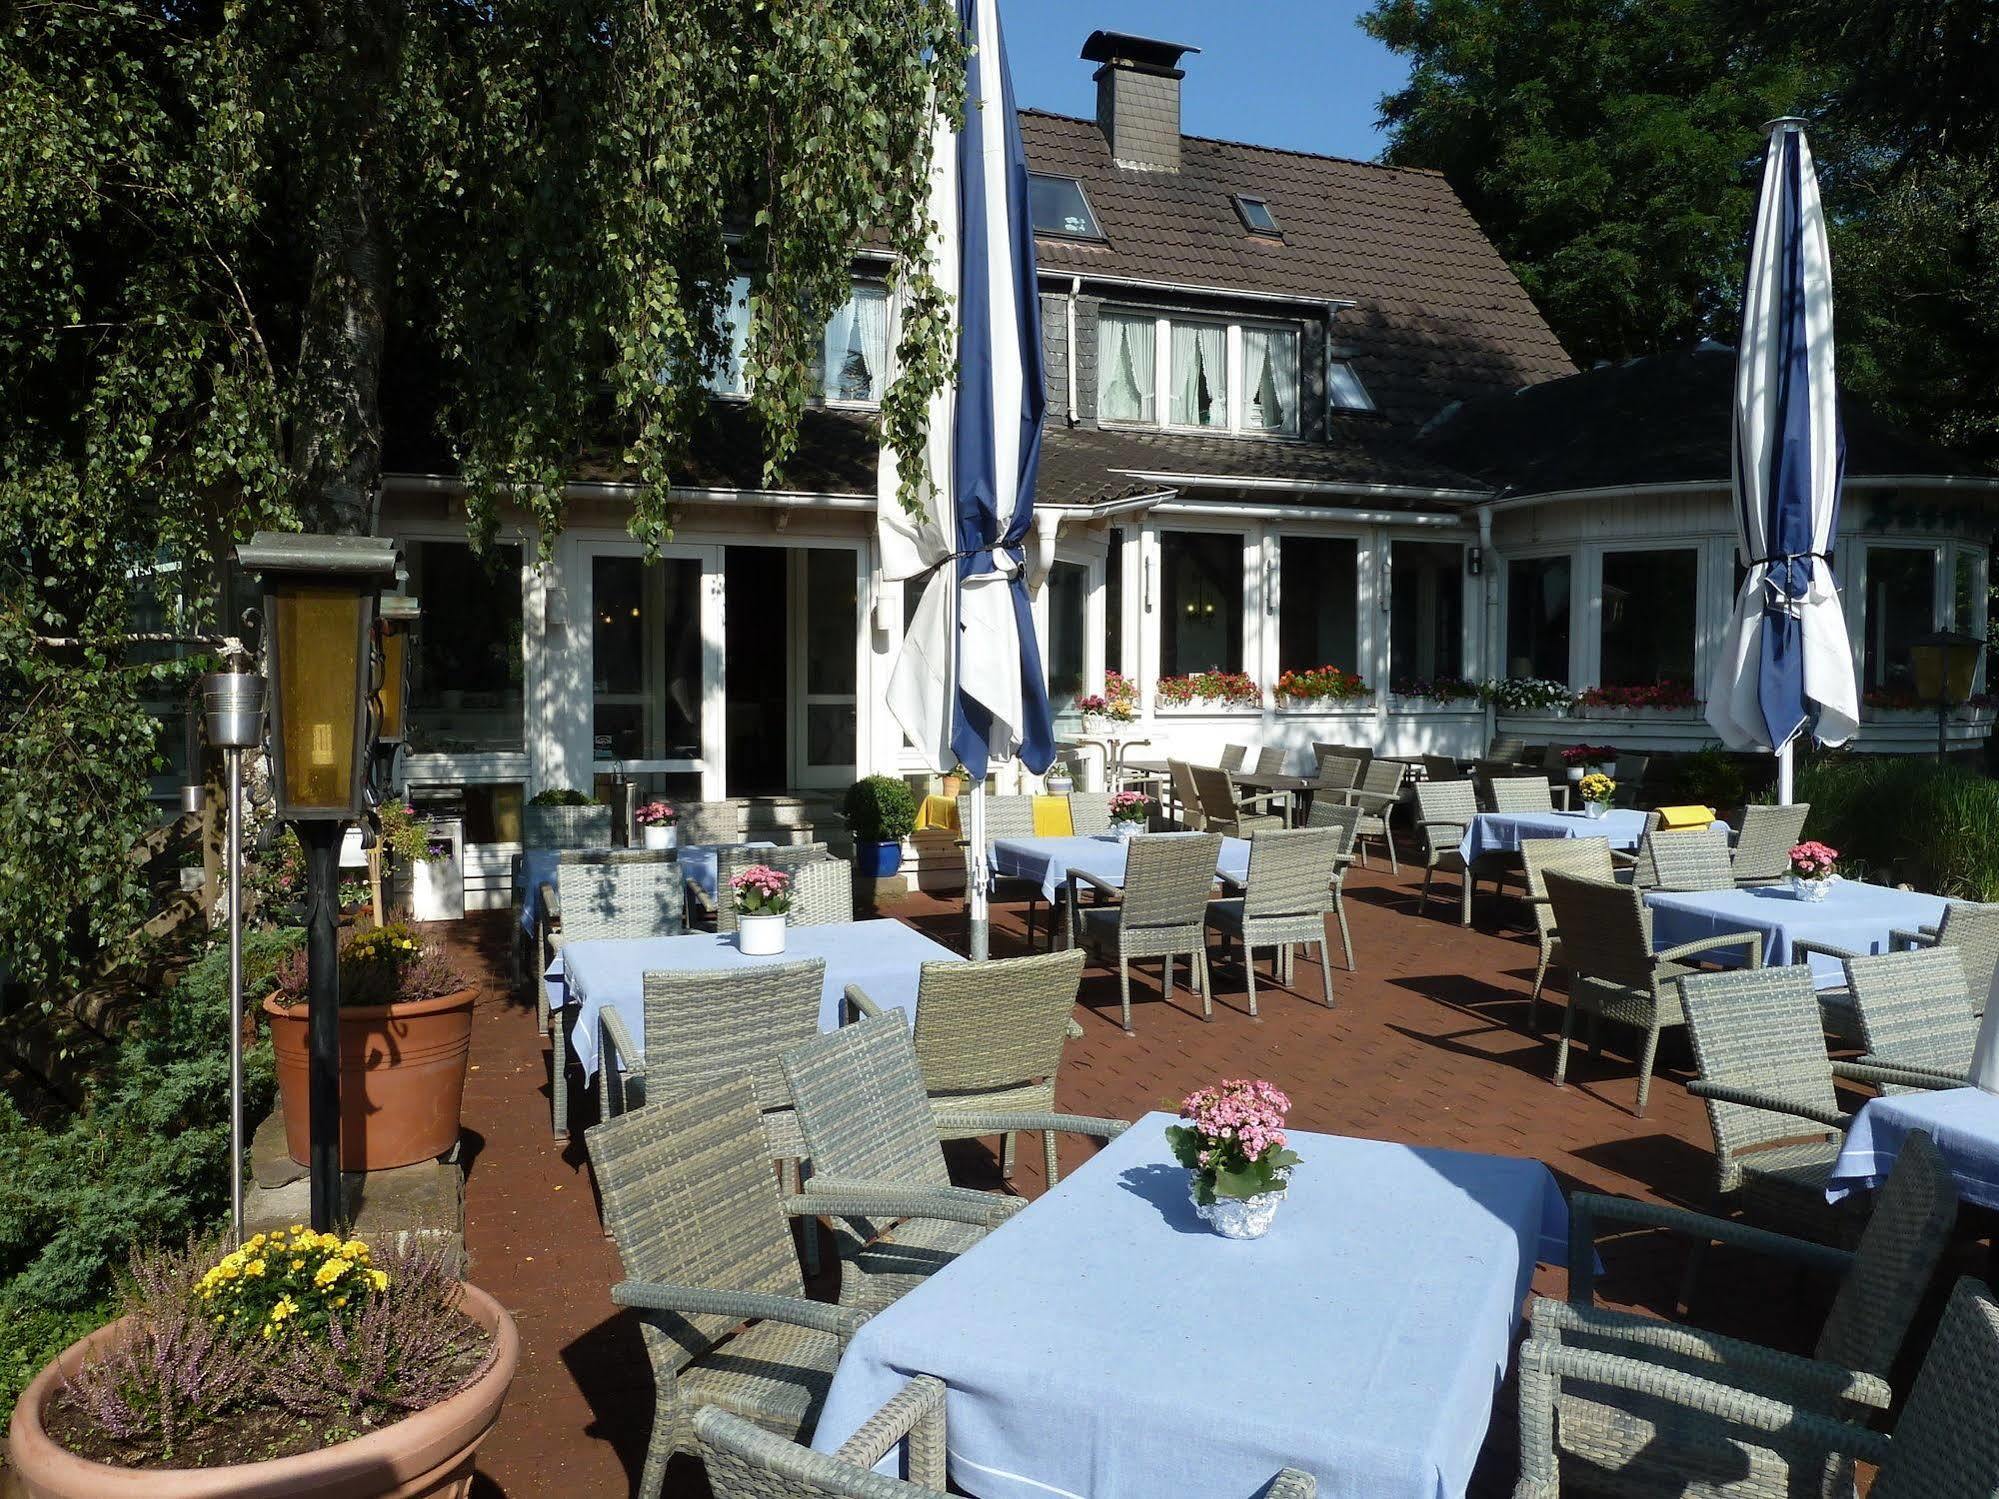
x: 1945, y: 664
x: 319, y: 602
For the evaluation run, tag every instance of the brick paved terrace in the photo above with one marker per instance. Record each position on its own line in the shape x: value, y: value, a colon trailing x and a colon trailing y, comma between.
x: 1428, y: 1044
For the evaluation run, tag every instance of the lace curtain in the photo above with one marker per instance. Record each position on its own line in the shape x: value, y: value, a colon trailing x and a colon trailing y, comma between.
x: 1125, y: 351
x: 855, y: 349
x: 1270, y: 380
x: 1200, y: 380
x: 728, y: 375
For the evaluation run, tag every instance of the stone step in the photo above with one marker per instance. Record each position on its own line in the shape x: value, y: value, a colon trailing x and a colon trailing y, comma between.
x: 411, y: 1207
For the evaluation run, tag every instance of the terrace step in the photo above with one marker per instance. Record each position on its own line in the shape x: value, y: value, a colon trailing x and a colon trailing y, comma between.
x: 411, y: 1207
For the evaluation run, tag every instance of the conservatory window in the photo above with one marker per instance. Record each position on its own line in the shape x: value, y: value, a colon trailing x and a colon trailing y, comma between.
x: 1114, y: 602
x: 1649, y: 603
x: 1198, y: 389
x: 465, y: 669
x: 1900, y: 610
x: 1537, y: 618
x: 1270, y: 380
x: 1426, y: 621
x: 1318, y: 608
x: 1068, y: 589
x: 1127, y: 349
x: 1200, y: 602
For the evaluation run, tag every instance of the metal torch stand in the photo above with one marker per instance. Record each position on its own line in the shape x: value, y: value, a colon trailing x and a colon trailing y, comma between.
x: 321, y: 841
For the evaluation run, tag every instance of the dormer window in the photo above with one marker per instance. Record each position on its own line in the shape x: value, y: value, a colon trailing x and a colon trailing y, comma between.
x: 848, y: 367
x: 1197, y: 374
x: 1344, y: 392
x: 1256, y: 216
x: 1061, y: 207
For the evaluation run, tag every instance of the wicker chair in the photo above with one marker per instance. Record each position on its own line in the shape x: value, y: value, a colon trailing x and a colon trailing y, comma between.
x: 1688, y: 859
x: 628, y: 898
x: 868, y: 1119
x: 1766, y: 1078
x: 566, y: 827
x: 1585, y: 859
x: 704, y: 1238
x: 1006, y: 817
x: 1358, y: 752
x: 989, y: 1038
x: 1089, y: 812
x: 1440, y: 768
x: 1283, y: 903
x: 1763, y: 847
x: 1235, y: 756
x: 1161, y: 912
x: 1325, y: 813
x: 1528, y: 793
x: 1606, y: 937
x: 1505, y: 747
x: 1377, y: 796
x: 1333, y: 771
x: 1226, y: 811
x: 792, y: 858
x: 1650, y: 1443
x: 1910, y: 1010
x: 711, y: 824
x: 1629, y: 773
x: 550, y: 921
x: 1972, y: 931
x: 1444, y: 813
x: 1186, y: 796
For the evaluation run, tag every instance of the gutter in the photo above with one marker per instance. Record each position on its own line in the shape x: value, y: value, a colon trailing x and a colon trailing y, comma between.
x: 769, y: 499
x: 1969, y: 483
x: 1426, y: 518
x: 1303, y: 486
x: 1069, y: 348
x: 1333, y: 305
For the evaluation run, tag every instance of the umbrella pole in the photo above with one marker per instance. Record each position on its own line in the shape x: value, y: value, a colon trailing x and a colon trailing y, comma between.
x: 976, y: 836
x: 1784, y: 797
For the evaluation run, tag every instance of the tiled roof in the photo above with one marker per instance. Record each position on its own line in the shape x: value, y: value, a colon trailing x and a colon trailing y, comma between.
x: 1083, y: 465
x: 1439, y: 316
x: 1661, y: 419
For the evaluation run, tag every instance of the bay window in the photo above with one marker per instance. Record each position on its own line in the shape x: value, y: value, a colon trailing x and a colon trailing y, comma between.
x: 1318, y: 602
x: 1650, y: 599
x: 1426, y: 621
x: 1900, y: 609
x: 1200, y: 602
x: 1537, y: 618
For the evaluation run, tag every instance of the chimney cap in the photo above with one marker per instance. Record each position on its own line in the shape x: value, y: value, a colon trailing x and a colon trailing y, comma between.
x: 1141, y: 51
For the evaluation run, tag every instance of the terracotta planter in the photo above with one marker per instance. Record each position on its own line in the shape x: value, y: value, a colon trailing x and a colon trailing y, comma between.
x: 402, y: 1078
x: 428, y: 1454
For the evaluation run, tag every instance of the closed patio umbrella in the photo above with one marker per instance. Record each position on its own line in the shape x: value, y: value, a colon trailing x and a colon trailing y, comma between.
x: 967, y: 682
x: 1785, y: 663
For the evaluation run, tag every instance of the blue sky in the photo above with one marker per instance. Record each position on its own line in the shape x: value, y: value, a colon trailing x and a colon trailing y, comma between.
x: 1296, y: 73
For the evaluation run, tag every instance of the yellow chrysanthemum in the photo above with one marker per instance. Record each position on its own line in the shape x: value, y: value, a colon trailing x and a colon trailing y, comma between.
x: 379, y: 1279
x: 254, y: 1268
x: 329, y: 1272
x: 354, y: 1249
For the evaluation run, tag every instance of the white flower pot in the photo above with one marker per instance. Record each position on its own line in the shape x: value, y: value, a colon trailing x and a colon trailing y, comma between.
x: 1124, y: 832
x: 760, y: 935
x: 1595, y: 809
x: 1576, y: 772
x: 1236, y: 1217
x: 660, y: 835
x: 1059, y: 785
x: 1810, y: 890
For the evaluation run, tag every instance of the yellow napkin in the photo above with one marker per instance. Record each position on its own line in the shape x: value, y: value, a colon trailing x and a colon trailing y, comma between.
x: 1051, y: 817
x: 1674, y: 818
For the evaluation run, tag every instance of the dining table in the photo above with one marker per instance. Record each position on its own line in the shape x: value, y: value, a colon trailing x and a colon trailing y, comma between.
x: 1854, y: 916
x: 1502, y: 832
x: 883, y: 957
x: 700, y: 864
x: 1105, y: 1342
x: 1049, y: 861
x: 1964, y: 1123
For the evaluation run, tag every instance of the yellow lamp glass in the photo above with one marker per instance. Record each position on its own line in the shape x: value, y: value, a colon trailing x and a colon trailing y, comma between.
x: 318, y: 641
x: 1927, y: 662
x: 390, y: 700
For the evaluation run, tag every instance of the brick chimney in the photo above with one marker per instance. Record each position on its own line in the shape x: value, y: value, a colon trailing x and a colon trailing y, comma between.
x: 1138, y: 98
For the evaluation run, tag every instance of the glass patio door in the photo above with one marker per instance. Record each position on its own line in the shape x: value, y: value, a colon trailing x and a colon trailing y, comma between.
x: 656, y: 678
x: 827, y: 637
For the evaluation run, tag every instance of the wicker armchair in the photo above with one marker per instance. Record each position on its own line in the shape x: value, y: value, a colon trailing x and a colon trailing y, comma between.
x: 1343, y: 819
x: 1378, y: 795
x: 1444, y: 814
x: 989, y: 1038
x: 1763, y: 847
x: 1505, y: 747
x: 626, y: 898
x: 792, y: 858
x: 1764, y: 1073
x: 1226, y: 811
x: 1650, y: 1443
x: 1334, y: 771
x: 868, y: 1119
x: 1972, y: 931
x: 1270, y: 761
x: 550, y: 921
x: 711, y: 824
x: 1161, y: 911
x: 1186, y: 796
x: 1006, y: 817
x: 1687, y: 859
x: 1235, y: 756
x: 1522, y: 794
x: 1283, y: 903
x: 1629, y: 773
x: 1910, y: 1010
x: 1585, y: 859
x: 1089, y: 812
x: 1606, y: 935
x: 566, y: 827
x: 704, y: 1237
x: 1440, y: 768
x: 1358, y: 752
x: 744, y: 1461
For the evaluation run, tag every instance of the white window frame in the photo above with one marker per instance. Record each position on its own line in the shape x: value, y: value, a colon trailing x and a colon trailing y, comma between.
x: 1153, y: 589
x: 1095, y: 620
x: 1368, y: 649
x: 1162, y: 373
x: 1981, y: 566
x: 1942, y: 589
x: 1499, y: 662
x: 1238, y: 386
x: 1470, y: 600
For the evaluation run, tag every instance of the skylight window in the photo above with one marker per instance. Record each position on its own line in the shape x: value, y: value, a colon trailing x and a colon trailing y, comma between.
x: 1060, y: 207
x: 1343, y: 388
x: 1256, y: 215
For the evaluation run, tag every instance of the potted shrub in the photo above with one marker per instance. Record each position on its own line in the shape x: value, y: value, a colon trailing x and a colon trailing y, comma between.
x: 762, y: 897
x: 656, y: 824
x: 405, y: 1039
x: 297, y: 1364
x: 1237, y: 1157
x: 562, y: 796
x: 880, y: 813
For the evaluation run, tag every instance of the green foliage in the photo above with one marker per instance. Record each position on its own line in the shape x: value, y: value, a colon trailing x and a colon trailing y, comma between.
x: 1903, y: 819
x: 562, y: 796
x: 31, y: 1336
x: 1709, y: 777
x: 880, y: 809
x: 146, y: 1159
x: 405, y: 841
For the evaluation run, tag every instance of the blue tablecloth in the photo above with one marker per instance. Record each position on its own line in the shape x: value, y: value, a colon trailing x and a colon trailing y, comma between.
x: 1049, y: 860
x: 1107, y: 1343
x: 1964, y: 1122
x: 1854, y: 915
x: 698, y: 865
x: 883, y: 957
x: 1501, y: 832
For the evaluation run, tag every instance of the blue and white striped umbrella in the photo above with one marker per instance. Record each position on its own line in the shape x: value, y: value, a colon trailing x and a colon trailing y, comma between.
x: 967, y: 683
x: 1786, y: 664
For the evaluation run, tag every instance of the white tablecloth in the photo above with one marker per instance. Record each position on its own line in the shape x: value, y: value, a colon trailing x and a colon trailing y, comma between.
x: 1106, y: 1343
x: 1964, y: 1122
x: 1854, y: 915
x: 883, y: 957
x: 1049, y: 860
